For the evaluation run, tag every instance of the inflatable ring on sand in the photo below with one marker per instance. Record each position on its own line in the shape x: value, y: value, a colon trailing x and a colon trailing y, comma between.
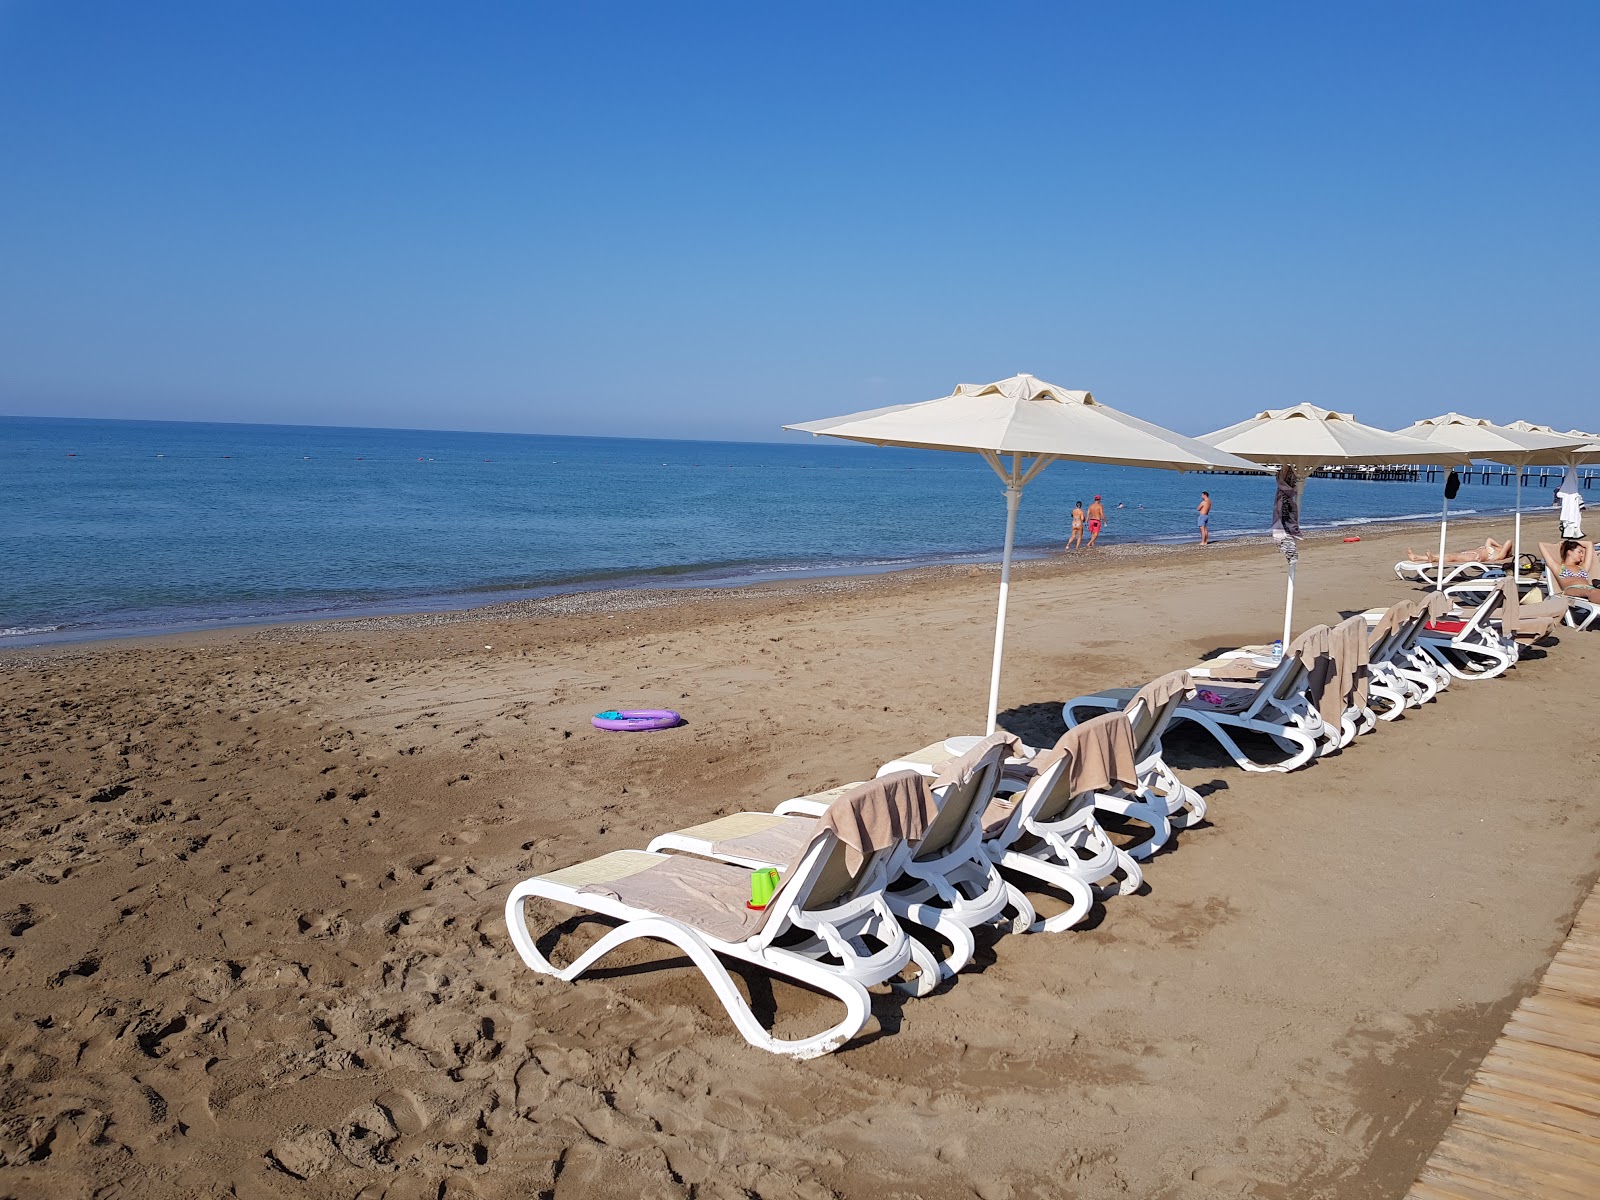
x: 636, y: 719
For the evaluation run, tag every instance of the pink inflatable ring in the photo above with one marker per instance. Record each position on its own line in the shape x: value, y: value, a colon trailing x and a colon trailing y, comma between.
x: 636, y: 719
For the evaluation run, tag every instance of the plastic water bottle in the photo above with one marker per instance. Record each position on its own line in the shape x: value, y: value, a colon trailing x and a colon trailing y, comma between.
x: 1277, y: 650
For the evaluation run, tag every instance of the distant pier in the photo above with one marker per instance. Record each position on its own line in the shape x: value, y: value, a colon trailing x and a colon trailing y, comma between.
x: 1478, y: 473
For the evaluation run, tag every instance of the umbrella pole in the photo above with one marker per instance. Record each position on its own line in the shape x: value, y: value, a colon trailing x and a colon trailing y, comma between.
x: 1288, y: 609
x: 1444, y: 522
x: 1013, y: 500
x: 1516, y: 537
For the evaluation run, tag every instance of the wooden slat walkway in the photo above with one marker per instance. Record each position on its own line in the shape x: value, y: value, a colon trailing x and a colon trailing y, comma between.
x: 1528, y: 1125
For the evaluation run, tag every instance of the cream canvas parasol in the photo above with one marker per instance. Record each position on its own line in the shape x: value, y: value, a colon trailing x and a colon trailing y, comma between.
x: 1306, y: 438
x: 1483, y: 439
x: 1020, y: 425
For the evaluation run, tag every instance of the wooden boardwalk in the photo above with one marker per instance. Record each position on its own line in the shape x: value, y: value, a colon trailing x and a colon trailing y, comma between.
x: 1528, y: 1125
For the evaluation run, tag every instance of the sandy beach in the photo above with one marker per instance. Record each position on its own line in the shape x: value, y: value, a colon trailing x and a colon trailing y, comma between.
x: 252, y: 886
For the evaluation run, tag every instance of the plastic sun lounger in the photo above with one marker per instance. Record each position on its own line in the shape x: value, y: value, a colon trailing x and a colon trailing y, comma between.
x: 1051, y: 834
x: 1087, y: 856
x: 943, y: 883
x: 822, y: 910
x: 1414, y: 571
x: 1581, y: 613
x: 1477, y: 649
x: 1182, y: 806
x: 1276, y: 707
x: 1404, y: 674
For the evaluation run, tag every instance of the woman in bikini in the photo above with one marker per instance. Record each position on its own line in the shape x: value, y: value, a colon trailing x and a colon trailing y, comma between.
x: 1574, y: 580
x: 1490, y: 552
x: 1076, y: 541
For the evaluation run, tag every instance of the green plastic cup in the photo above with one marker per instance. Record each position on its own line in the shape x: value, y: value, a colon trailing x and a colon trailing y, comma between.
x: 763, y: 884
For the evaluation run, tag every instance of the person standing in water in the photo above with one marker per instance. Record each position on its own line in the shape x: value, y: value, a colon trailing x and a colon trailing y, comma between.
x: 1205, y: 518
x: 1097, y: 518
x: 1075, y: 542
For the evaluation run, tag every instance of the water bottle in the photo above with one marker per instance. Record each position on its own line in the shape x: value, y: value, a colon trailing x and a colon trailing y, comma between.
x: 1277, y: 650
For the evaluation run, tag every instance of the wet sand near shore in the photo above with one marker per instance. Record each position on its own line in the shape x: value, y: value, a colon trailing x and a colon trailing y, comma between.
x: 252, y: 886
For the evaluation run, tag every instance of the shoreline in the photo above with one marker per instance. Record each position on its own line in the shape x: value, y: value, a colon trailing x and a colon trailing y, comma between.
x: 652, y: 595
x: 260, y: 875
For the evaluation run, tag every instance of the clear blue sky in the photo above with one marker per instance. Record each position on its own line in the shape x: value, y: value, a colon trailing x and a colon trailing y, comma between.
x: 683, y: 219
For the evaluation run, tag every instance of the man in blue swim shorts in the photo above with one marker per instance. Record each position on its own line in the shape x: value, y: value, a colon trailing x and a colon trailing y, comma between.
x: 1205, y: 518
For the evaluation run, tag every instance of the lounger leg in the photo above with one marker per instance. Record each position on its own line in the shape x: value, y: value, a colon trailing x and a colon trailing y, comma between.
x: 857, y: 1002
x: 1081, y: 894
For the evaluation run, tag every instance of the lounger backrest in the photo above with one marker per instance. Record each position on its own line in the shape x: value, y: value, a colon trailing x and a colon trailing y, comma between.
x: 1350, y: 635
x: 1477, y: 624
x: 1148, y: 717
x: 1386, y: 632
x: 961, y: 804
x: 1551, y: 553
x: 1041, y: 788
x: 834, y: 878
x: 1289, y: 677
x: 1072, y: 742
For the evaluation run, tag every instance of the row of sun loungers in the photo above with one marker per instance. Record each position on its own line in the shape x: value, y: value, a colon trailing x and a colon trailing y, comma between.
x: 1475, y: 580
x: 946, y: 838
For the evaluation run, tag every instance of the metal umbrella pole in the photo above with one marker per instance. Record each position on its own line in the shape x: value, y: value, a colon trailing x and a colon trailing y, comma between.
x: 1015, y: 480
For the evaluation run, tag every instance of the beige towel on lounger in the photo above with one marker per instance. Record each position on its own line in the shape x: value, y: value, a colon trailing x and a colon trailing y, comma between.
x: 1156, y: 694
x: 1102, y: 754
x: 874, y: 815
x: 958, y: 770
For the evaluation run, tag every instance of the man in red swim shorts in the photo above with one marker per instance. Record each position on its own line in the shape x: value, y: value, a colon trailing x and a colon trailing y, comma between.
x: 1097, y: 517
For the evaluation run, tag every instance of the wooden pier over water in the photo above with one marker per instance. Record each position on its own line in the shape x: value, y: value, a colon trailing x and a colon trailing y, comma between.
x: 1545, y: 477
x: 1528, y: 1125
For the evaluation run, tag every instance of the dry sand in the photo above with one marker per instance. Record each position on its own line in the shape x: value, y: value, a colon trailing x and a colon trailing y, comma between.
x: 252, y: 887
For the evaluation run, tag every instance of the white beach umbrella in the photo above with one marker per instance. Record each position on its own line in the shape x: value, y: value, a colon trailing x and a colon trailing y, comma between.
x: 1015, y: 420
x: 1305, y: 438
x: 1483, y: 439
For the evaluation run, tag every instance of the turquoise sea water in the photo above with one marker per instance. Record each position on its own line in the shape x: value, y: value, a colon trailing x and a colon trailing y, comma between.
x: 114, y: 527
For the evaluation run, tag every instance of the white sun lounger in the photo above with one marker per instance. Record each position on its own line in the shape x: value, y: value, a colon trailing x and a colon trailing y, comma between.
x: 1051, y: 833
x: 1405, y: 675
x: 822, y: 910
x: 1413, y: 571
x: 944, y: 882
x: 1149, y: 710
x: 1276, y: 707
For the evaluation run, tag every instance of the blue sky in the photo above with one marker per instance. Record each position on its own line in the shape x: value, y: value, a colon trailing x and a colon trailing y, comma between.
x: 704, y: 220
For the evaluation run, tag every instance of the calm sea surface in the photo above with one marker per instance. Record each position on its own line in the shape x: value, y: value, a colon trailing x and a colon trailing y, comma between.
x: 110, y: 527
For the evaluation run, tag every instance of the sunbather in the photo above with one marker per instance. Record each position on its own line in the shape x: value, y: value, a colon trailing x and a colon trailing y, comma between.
x: 1490, y: 552
x: 1573, y: 579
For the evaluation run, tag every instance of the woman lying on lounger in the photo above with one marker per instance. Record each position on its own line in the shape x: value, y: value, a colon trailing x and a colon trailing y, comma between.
x: 1574, y: 580
x: 1490, y: 552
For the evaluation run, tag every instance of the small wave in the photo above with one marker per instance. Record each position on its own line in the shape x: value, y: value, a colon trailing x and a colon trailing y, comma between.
x: 24, y: 630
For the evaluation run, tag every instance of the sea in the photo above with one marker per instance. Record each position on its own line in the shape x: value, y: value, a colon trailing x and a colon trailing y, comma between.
x: 119, y: 528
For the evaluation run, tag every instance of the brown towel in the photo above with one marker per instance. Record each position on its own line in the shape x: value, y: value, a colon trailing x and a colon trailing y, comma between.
x: 1101, y: 753
x: 958, y: 770
x: 1391, y: 620
x: 1351, y: 637
x: 873, y: 816
x: 782, y: 842
x: 1156, y: 694
x: 1314, y: 648
x: 709, y: 896
x: 1241, y: 670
